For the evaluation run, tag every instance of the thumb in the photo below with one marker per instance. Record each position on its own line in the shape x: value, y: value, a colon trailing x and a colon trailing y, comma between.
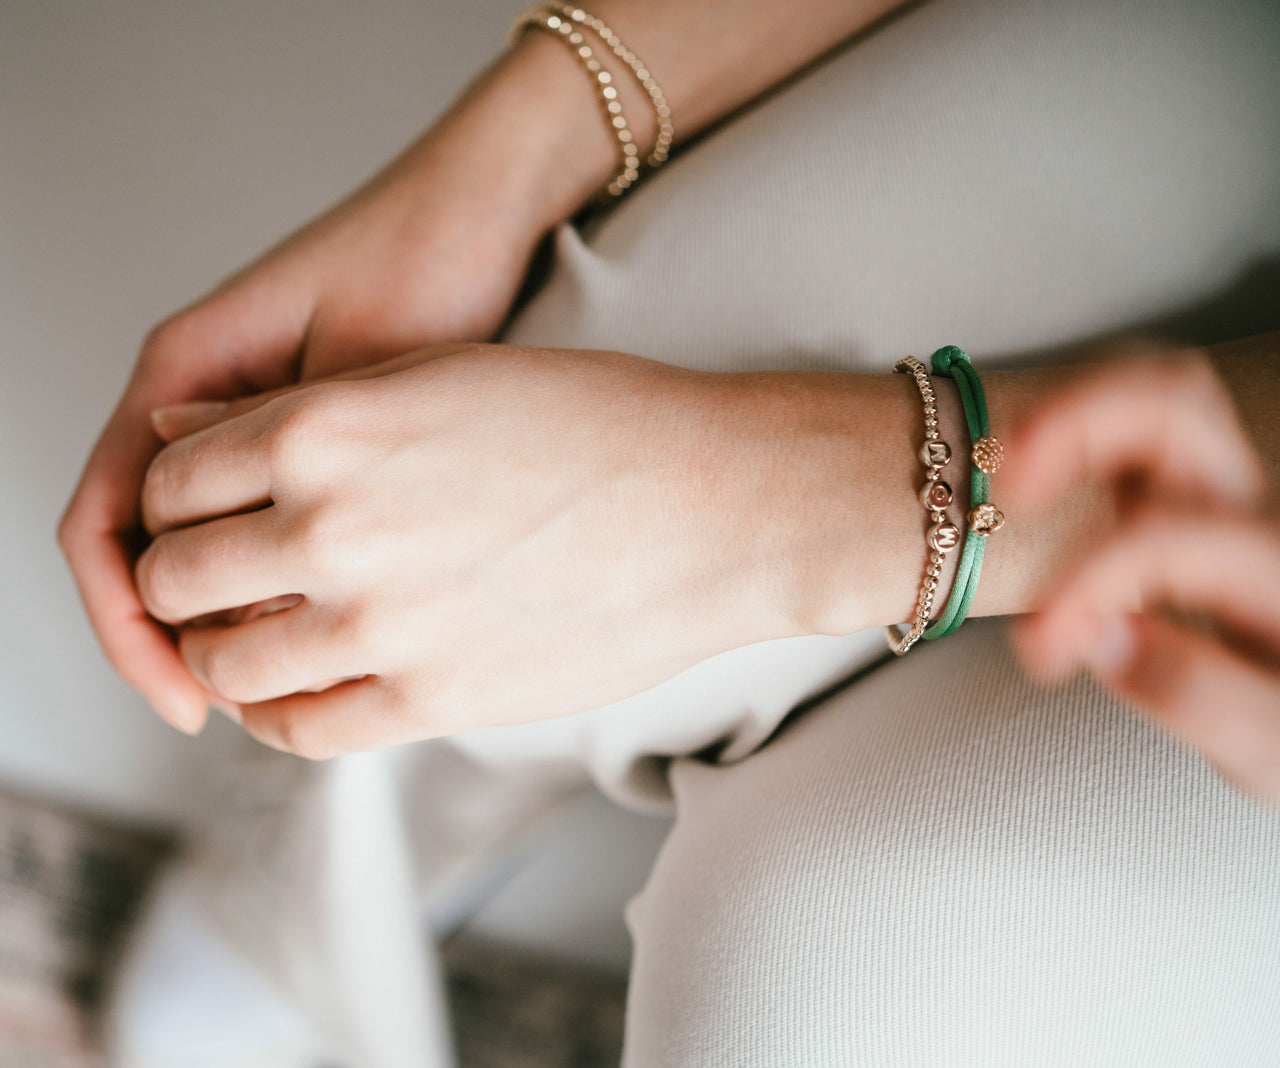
x: 174, y: 421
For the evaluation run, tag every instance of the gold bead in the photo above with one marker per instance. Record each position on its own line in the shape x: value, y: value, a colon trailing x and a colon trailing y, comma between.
x: 987, y: 455
x: 985, y: 520
x: 944, y: 537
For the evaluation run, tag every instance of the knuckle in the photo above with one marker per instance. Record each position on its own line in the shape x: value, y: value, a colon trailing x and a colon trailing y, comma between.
x: 224, y: 671
x: 315, y: 538
x: 164, y: 340
x: 158, y: 485
x: 294, y: 441
x: 154, y: 575
x: 300, y: 736
x: 303, y: 425
x: 362, y: 633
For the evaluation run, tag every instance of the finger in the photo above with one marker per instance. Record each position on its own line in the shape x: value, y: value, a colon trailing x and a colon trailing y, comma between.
x: 1225, y: 706
x: 215, y: 472
x: 200, y: 352
x: 179, y: 420
x: 137, y: 646
x: 271, y: 656
x: 360, y: 714
x: 224, y: 563
x: 1168, y: 419
x: 1224, y: 566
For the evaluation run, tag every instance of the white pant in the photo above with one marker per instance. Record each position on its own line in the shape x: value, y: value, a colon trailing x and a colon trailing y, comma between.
x: 943, y: 864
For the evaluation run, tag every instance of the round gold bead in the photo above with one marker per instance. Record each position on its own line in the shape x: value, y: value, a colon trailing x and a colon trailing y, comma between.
x: 935, y: 454
x: 944, y: 537
x: 936, y: 495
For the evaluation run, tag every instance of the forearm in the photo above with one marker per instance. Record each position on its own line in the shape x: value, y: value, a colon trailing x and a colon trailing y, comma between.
x: 842, y: 479
x: 529, y: 134
x: 713, y: 56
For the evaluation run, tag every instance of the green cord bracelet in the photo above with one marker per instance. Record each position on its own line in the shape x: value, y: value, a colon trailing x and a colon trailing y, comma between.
x: 984, y: 517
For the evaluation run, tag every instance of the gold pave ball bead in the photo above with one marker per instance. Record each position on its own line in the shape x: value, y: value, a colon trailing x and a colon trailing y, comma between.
x: 988, y: 455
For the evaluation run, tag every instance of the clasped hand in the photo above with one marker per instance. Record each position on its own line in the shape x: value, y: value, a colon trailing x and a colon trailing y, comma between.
x: 468, y: 535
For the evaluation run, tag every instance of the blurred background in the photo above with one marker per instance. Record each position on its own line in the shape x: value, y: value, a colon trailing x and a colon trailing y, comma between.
x: 147, y: 148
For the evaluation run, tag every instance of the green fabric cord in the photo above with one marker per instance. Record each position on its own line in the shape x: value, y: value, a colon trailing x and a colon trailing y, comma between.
x: 952, y: 362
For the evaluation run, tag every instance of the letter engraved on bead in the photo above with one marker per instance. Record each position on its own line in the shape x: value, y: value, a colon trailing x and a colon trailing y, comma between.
x: 944, y: 536
x: 935, y: 496
x: 935, y: 454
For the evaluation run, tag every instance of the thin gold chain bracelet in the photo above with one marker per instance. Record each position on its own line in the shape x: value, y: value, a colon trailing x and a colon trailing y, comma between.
x: 935, y: 495
x: 644, y: 78
x: 567, y: 22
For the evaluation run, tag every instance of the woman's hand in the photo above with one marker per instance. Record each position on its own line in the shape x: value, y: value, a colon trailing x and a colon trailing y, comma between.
x: 432, y: 249
x: 478, y: 535
x: 1179, y: 610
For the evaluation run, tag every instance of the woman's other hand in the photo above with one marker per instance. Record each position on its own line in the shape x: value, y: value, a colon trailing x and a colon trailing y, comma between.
x: 432, y: 249
x: 1178, y: 610
x: 477, y: 535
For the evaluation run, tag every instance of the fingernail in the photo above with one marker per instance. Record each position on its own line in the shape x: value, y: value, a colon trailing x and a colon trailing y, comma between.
x: 184, y: 715
x: 1113, y: 646
x: 191, y: 414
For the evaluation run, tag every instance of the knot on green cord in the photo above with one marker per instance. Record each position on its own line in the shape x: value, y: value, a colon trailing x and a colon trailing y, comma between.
x: 946, y: 356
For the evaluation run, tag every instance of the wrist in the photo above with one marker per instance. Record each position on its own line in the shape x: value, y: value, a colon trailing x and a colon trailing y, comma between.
x: 837, y: 476
x: 527, y: 139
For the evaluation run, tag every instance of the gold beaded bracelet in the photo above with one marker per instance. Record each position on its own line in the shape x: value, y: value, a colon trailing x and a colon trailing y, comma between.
x: 566, y: 22
x: 666, y: 130
x: 935, y: 495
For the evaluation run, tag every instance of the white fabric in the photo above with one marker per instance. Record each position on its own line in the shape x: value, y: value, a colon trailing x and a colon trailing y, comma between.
x: 1009, y: 176
x: 948, y: 865
x: 1004, y: 176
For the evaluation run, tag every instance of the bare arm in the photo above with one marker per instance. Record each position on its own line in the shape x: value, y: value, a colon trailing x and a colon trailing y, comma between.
x: 710, y: 57
x: 845, y: 502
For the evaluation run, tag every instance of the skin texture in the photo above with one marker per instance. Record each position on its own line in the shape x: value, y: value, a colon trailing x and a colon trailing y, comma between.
x: 470, y: 534
x: 432, y: 249
x: 489, y: 534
